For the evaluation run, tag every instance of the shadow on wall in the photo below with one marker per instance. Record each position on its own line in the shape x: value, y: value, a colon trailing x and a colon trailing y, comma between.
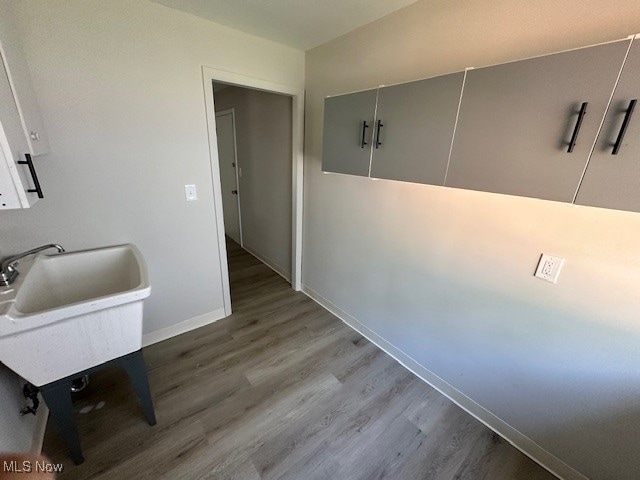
x: 486, y: 348
x: 604, y: 427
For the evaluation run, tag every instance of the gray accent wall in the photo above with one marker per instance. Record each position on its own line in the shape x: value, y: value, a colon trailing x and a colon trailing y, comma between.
x: 446, y: 275
x: 263, y: 143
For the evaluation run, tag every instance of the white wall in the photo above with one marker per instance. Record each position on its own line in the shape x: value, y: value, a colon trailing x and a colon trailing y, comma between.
x: 263, y: 134
x: 120, y: 87
x: 446, y: 276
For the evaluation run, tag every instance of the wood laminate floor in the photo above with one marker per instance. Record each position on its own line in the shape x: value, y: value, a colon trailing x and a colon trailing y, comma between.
x: 281, y: 389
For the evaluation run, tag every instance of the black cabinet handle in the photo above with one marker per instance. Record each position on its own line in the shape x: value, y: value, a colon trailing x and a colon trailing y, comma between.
x: 34, y: 175
x: 364, y: 130
x: 576, y: 130
x: 625, y: 125
x: 378, y: 127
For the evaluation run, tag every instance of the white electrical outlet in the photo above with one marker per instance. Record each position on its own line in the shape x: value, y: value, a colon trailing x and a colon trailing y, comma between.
x: 190, y: 193
x: 549, y: 268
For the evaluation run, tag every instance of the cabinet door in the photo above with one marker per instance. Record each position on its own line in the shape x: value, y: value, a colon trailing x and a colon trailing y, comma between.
x: 612, y: 180
x: 20, y: 80
x: 9, y: 197
x: 14, y: 144
x: 516, y: 122
x: 348, y: 123
x: 414, y: 126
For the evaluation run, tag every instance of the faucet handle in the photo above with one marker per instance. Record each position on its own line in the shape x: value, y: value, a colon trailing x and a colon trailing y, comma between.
x: 8, y: 277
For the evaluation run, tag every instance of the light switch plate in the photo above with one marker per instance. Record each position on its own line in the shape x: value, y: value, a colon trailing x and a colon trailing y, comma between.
x: 549, y: 268
x: 190, y: 193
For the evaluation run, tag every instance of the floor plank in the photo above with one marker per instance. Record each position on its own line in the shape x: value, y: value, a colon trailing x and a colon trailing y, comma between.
x: 281, y: 389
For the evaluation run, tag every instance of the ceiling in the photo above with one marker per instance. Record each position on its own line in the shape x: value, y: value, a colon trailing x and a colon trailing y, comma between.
x: 302, y: 24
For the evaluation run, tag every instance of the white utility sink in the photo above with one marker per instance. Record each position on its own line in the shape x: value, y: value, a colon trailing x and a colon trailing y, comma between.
x: 72, y: 311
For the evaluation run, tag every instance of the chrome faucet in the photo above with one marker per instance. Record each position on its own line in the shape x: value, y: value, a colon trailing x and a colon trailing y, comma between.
x: 8, y: 272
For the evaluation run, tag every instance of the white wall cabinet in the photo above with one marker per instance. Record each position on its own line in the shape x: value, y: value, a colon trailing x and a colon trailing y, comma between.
x: 10, y: 182
x: 19, y: 77
x: 22, y: 134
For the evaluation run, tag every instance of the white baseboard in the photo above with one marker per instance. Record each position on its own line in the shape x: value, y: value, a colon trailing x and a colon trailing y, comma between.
x: 182, y: 327
x: 40, y: 428
x: 509, y: 433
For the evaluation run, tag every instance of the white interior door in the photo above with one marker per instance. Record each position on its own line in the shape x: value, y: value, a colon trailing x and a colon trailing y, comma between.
x: 225, y: 130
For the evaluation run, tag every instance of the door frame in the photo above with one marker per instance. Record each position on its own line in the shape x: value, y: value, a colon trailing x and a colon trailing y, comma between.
x: 210, y: 75
x: 232, y: 112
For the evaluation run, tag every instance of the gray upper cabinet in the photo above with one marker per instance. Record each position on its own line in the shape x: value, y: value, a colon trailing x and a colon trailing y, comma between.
x: 612, y: 179
x: 517, y: 120
x: 414, y: 126
x: 348, y: 124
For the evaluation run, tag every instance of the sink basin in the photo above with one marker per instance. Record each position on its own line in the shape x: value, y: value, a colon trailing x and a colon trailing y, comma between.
x: 72, y: 311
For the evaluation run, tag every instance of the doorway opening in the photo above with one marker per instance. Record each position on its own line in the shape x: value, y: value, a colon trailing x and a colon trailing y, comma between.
x: 253, y: 130
x: 229, y: 173
x: 255, y: 140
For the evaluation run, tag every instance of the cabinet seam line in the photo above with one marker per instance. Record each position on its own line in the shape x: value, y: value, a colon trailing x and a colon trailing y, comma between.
x: 455, y: 126
x: 373, y: 128
x: 604, y: 116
